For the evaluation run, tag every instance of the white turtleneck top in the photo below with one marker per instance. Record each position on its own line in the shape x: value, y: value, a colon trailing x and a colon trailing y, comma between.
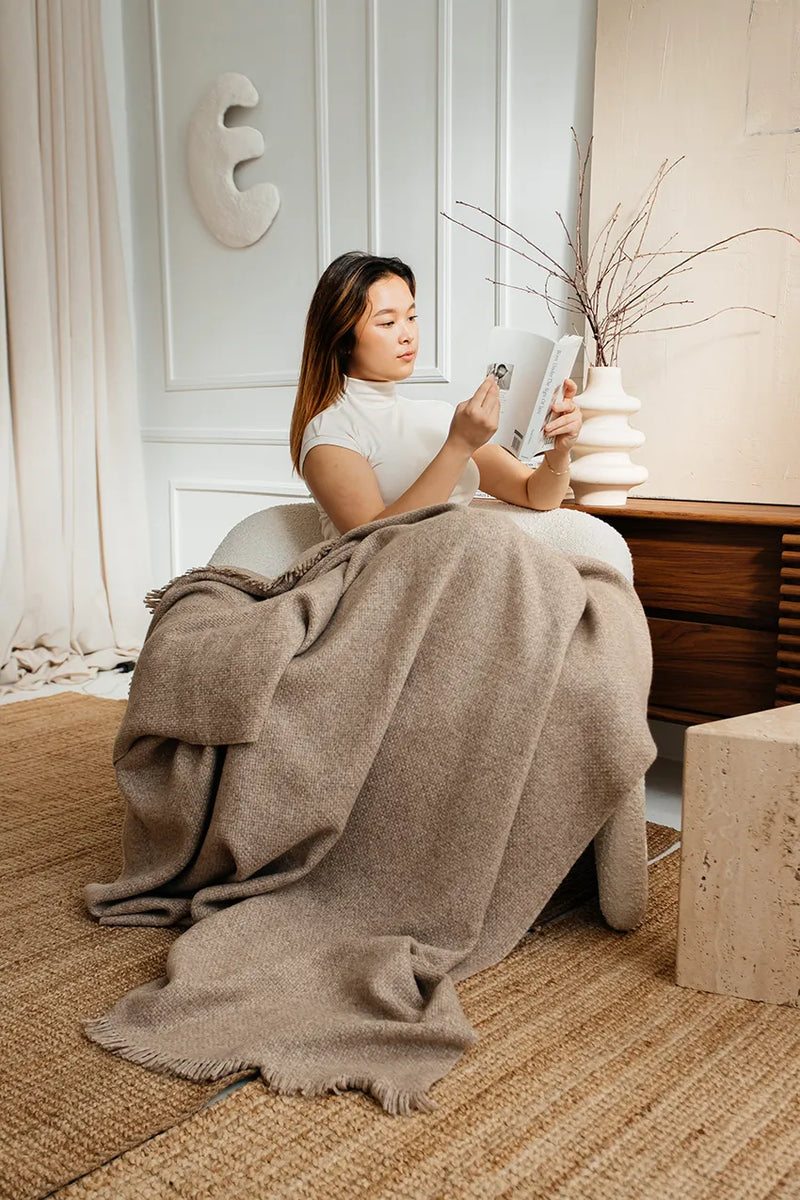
x: 397, y: 436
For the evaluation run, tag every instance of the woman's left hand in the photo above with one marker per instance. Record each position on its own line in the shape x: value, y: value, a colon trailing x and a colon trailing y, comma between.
x: 565, y: 420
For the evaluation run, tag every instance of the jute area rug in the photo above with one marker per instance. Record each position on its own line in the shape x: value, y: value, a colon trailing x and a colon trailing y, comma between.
x: 594, y: 1075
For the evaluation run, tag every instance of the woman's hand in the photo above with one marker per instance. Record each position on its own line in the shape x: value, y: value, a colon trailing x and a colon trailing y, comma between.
x: 476, y: 420
x: 565, y: 419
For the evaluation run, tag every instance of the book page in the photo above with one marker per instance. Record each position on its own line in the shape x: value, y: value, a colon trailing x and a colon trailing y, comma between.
x: 562, y: 360
x: 530, y: 370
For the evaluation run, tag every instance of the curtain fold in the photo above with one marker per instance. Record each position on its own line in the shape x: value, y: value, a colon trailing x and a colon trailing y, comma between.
x: 76, y: 554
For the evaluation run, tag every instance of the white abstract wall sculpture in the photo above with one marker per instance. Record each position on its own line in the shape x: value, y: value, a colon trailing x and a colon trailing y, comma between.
x: 235, y: 218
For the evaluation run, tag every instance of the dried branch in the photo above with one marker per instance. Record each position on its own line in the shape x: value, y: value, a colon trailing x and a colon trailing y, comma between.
x: 697, y: 253
x: 649, y: 203
x: 513, y: 249
x: 642, y: 215
x: 608, y: 226
x: 558, y: 268
x: 526, y: 288
x: 620, y: 296
x: 730, y: 308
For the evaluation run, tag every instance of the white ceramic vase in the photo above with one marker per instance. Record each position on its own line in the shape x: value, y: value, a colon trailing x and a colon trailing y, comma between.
x: 602, y: 472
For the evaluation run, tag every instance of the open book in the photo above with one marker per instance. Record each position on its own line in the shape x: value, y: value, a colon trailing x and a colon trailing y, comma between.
x: 530, y: 371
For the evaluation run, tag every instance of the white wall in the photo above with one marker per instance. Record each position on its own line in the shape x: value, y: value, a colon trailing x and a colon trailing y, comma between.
x: 376, y: 117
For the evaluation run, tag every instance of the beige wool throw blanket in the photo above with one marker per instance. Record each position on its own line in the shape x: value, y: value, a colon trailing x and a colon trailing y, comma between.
x: 357, y: 783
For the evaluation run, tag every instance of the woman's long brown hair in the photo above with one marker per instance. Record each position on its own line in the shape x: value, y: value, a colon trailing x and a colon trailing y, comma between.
x: 340, y: 298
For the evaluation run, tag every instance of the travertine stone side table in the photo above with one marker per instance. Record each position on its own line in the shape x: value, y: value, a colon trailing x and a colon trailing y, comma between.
x: 739, y: 905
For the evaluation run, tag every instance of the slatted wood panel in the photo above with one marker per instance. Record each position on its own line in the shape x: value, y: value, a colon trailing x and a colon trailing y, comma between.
x: 711, y: 670
x: 787, y: 689
x: 720, y: 584
x: 681, y: 569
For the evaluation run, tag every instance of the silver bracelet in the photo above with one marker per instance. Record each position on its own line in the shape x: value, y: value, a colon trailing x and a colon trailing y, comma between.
x: 553, y: 470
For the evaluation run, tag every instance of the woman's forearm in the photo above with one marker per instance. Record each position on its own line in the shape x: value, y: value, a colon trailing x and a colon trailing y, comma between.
x: 544, y: 488
x: 436, y: 482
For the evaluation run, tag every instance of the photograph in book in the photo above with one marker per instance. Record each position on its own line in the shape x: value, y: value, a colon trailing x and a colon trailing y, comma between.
x: 530, y: 370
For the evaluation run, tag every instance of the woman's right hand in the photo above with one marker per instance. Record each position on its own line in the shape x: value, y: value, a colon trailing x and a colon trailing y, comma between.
x: 475, y: 420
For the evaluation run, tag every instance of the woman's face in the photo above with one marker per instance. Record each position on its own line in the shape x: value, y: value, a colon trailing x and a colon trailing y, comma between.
x: 386, y: 334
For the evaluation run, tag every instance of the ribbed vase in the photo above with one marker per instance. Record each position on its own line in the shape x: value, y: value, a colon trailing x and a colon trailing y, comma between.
x: 602, y: 472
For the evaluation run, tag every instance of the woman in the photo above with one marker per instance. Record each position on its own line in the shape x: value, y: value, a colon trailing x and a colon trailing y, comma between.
x: 366, y: 452
x: 407, y: 835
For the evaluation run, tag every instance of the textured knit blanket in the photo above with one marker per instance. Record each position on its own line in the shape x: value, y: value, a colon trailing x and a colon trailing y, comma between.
x: 357, y: 783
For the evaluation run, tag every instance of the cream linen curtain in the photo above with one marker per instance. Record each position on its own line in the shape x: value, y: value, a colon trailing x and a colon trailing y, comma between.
x: 73, y: 534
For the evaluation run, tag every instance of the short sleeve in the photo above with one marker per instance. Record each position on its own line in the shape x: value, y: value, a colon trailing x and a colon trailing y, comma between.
x: 339, y: 438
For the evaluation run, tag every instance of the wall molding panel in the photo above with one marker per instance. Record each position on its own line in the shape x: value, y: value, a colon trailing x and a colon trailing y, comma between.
x: 501, y: 183
x: 179, y: 487
x: 280, y: 378
x: 375, y: 118
x: 444, y: 190
x: 372, y: 100
x: 186, y: 435
x: 440, y: 370
x: 321, y: 134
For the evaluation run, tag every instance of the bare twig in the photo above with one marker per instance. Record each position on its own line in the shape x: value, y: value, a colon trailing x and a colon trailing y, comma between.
x: 722, y: 242
x: 579, y: 279
x: 515, y: 287
x: 620, y: 297
x: 558, y: 268
x: 649, y: 203
x: 729, y: 308
x: 642, y: 215
x: 608, y: 226
x: 513, y: 249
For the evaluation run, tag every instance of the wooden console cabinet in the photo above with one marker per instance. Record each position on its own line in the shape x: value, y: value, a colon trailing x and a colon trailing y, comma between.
x: 720, y: 584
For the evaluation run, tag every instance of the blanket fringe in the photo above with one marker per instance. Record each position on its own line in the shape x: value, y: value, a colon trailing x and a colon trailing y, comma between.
x: 394, y: 1100
x: 262, y: 585
x: 246, y: 580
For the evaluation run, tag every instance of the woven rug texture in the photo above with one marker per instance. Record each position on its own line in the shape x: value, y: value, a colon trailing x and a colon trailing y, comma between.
x: 595, y: 1078
x: 66, y: 1106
